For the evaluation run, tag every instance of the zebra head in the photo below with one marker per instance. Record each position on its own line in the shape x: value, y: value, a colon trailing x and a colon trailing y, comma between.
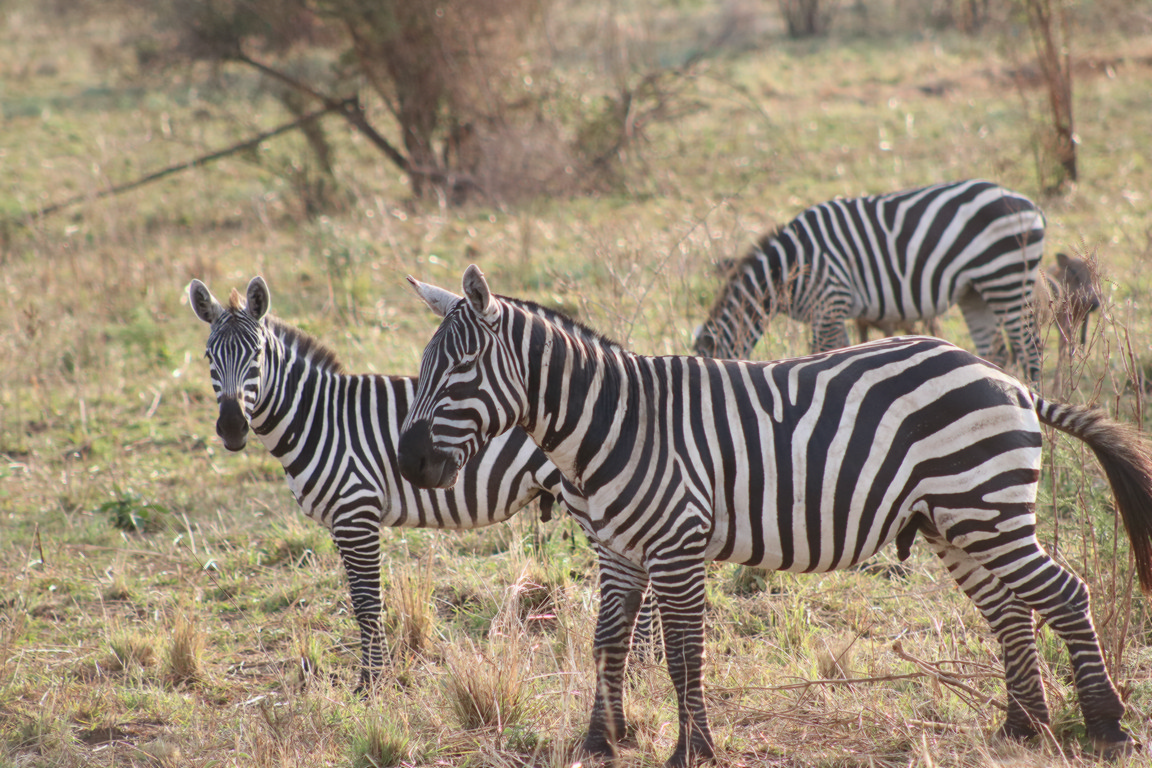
x: 756, y: 286
x: 235, y: 351
x: 470, y: 387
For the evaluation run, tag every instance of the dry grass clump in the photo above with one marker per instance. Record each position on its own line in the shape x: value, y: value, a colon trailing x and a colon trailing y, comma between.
x: 490, y: 688
x: 184, y: 662
x: 411, y: 615
x: 380, y: 741
x: 486, y: 689
x: 131, y: 649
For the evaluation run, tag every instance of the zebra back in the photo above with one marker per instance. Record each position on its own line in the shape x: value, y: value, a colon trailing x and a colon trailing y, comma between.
x: 890, y: 258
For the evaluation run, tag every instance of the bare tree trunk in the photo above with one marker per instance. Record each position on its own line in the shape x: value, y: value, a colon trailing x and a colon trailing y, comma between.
x: 1048, y: 21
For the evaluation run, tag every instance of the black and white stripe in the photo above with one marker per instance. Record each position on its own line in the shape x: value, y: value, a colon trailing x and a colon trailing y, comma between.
x: 808, y: 464
x: 888, y: 259
x: 336, y: 435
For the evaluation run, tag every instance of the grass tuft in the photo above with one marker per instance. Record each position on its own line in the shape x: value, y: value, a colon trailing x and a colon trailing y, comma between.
x: 486, y: 690
x: 411, y: 619
x: 380, y: 742
x: 131, y: 650
x: 185, y: 660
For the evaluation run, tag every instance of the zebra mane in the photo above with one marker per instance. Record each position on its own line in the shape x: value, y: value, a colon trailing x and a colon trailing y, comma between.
x: 306, y: 345
x: 565, y: 321
x: 763, y: 244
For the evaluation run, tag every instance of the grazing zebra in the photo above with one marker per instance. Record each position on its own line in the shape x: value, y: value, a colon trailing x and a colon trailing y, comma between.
x: 336, y: 435
x: 890, y: 258
x: 809, y: 464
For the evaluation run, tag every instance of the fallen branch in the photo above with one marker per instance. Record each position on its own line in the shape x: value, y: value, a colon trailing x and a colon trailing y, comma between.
x: 251, y: 143
x: 944, y: 678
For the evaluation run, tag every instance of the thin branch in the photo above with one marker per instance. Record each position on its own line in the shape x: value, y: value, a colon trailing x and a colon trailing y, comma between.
x: 252, y: 143
x: 349, y: 108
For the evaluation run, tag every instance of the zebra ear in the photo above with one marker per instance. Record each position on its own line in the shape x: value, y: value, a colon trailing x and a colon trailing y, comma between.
x: 477, y: 293
x: 258, y: 298
x: 438, y: 300
x: 203, y: 303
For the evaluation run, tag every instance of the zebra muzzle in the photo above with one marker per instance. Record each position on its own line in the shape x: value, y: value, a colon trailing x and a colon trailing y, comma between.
x: 421, y: 462
x: 232, y: 426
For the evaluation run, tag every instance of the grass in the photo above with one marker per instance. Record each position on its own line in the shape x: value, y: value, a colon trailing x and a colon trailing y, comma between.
x: 163, y: 601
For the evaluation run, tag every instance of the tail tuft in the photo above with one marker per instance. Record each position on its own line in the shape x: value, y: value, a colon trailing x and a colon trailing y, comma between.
x: 1126, y: 456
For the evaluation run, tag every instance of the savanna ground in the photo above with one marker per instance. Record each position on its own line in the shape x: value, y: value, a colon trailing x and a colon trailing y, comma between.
x: 162, y: 602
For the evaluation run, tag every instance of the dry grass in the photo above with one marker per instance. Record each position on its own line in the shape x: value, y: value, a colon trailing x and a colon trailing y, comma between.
x: 163, y: 598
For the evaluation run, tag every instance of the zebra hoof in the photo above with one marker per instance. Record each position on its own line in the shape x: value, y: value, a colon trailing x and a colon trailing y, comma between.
x: 1016, y: 731
x: 1113, y: 750
x: 700, y: 751
x: 597, y: 745
x: 1114, y: 745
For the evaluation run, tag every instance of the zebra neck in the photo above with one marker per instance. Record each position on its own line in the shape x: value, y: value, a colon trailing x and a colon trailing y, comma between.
x: 290, y: 407
x: 579, y: 398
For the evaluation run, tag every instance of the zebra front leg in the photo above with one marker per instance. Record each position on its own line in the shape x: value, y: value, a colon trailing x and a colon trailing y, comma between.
x: 360, y: 553
x: 679, y: 590
x: 621, y: 592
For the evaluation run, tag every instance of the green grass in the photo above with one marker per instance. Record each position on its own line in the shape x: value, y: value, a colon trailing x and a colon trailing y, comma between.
x: 160, y: 595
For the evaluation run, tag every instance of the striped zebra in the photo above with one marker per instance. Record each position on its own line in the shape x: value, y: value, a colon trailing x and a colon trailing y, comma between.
x: 808, y: 464
x: 336, y: 435
x: 887, y: 259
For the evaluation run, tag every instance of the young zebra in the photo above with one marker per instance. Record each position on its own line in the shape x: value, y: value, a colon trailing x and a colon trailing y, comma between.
x: 810, y: 464
x: 890, y: 258
x: 336, y: 435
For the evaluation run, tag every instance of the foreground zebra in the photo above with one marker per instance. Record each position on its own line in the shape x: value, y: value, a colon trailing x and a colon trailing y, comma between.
x: 887, y: 259
x: 811, y: 464
x: 336, y: 435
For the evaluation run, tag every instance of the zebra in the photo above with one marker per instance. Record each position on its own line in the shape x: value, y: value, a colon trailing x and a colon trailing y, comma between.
x: 809, y: 464
x: 336, y: 435
x: 891, y: 258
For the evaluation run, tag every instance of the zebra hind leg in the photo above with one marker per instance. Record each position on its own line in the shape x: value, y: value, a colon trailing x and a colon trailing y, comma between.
x: 621, y: 593
x: 1011, y: 622
x: 646, y: 647
x: 1062, y: 598
x: 1038, y: 582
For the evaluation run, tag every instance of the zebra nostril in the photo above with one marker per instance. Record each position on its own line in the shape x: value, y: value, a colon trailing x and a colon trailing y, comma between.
x: 421, y: 462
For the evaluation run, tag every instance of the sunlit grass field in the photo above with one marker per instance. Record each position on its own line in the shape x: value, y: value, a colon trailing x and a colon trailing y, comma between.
x: 163, y: 602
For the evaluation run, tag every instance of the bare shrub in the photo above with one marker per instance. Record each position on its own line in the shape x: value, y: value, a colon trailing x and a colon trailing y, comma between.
x: 1049, y: 24
x: 806, y: 18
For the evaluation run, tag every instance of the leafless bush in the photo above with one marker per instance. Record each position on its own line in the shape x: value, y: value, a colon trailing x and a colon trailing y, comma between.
x: 1048, y: 21
x: 807, y: 18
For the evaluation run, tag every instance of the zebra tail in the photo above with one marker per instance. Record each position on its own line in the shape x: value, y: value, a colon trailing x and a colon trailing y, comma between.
x: 1126, y: 456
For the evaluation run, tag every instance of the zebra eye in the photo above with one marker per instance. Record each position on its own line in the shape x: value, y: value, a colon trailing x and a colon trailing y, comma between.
x: 465, y: 366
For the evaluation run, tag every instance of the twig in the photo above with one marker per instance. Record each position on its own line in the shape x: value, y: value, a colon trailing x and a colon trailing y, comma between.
x: 40, y: 546
x: 947, y: 679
